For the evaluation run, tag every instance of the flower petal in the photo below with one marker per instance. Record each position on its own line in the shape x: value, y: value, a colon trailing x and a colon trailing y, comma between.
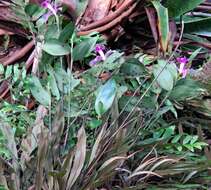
x: 96, y: 60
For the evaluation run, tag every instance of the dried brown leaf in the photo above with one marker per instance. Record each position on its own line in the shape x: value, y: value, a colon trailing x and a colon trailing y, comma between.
x: 95, y: 149
x: 80, y: 154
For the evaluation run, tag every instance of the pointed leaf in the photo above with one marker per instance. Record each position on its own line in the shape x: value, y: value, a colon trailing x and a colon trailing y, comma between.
x: 163, y: 24
x: 80, y: 154
x: 56, y: 48
x: 39, y: 93
x: 164, y: 76
x: 179, y: 7
x: 105, y: 97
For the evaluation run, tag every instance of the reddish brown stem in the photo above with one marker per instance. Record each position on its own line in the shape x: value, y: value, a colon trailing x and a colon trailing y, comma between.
x: 110, y: 24
x: 21, y: 53
x: 110, y: 17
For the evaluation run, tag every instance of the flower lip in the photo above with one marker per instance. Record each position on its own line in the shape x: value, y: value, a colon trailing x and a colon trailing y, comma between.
x: 182, y: 69
x: 99, y: 47
x: 45, y: 3
x: 183, y: 60
x: 101, y: 55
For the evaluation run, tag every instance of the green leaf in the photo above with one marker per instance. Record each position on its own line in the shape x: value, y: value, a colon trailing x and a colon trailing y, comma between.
x: 1, y: 69
x: 189, y: 147
x: 199, y: 145
x: 164, y: 74
x: 189, y: 19
x: 39, y: 93
x: 34, y: 11
x: 66, y: 81
x: 176, y: 138
x: 94, y: 123
x: 158, y: 134
x: 163, y: 24
x: 84, y: 48
x: 179, y: 147
x: 16, y: 73
x: 194, y: 54
x: 53, y: 86
x: 201, y: 27
x: 132, y: 68
x: 56, y: 48
x: 185, y: 89
x: 179, y: 7
x: 194, y: 139
x: 128, y: 103
x: 187, y: 139
x: 168, y: 132
x: 52, y: 32
x: 105, y: 97
x: 67, y: 32
x: 8, y: 72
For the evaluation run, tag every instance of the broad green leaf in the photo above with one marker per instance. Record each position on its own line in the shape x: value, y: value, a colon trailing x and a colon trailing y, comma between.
x: 196, y: 38
x: 163, y: 24
x: 35, y: 11
x: 105, y: 97
x: 172, y: 68
x: 67, y: 32
x: 84, y: 48
x: 185, y: 88
x: 179, y: 7
x: 132, y: 68
x: 146, y: 103
x: 65, y: 80
x: 164, y: 76
x: 201, y: 27
x: 52, y: 32
x: 39, y: 93
x: 56, y: 48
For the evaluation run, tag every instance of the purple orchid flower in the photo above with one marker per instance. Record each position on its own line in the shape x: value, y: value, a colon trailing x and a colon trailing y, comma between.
x: 182, y: 68
x: 53, y: 9
x: 102, y: 55
x: 100, y: 48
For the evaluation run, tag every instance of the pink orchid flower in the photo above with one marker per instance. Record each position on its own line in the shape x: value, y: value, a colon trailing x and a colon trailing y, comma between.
x: 101, y: 55
x: 182, y: 68
x: 53, y: 9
